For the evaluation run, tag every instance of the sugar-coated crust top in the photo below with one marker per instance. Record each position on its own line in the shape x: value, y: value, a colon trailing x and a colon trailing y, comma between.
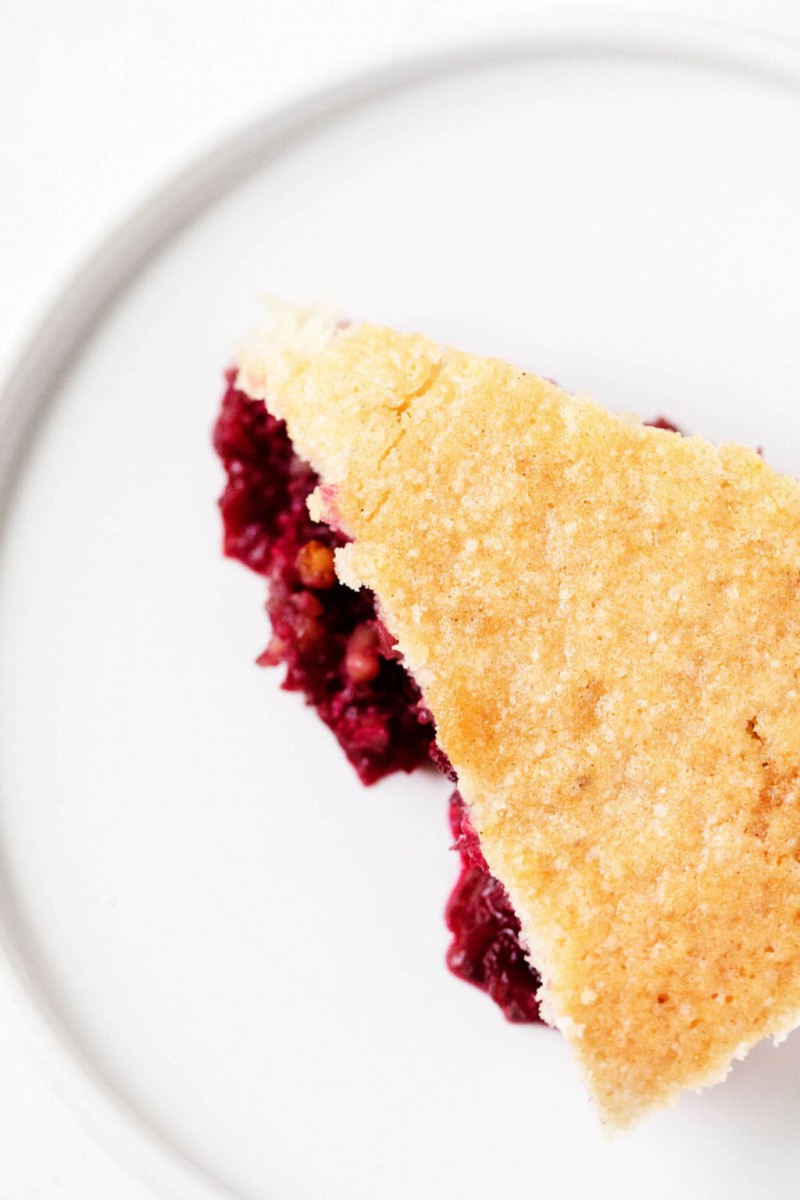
x: 605, y: 621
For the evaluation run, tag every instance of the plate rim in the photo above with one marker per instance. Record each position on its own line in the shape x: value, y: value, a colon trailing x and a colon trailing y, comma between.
x: 55, y: 337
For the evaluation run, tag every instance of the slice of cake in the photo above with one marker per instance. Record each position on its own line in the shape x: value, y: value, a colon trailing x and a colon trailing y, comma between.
x: 604, y: 620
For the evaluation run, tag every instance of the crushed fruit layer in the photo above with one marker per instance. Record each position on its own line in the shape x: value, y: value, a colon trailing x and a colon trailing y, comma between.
x: 486, y: 948
x: 327, y: 636
x: 338, y: 654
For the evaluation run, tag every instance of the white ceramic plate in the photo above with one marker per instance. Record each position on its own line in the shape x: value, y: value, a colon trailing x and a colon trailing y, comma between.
x: 226, y: 950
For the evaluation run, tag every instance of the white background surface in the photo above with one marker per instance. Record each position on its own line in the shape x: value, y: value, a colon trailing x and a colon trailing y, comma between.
x: 97, y: 103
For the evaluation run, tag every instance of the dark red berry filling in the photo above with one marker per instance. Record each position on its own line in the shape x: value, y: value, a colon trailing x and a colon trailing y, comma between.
x: 339, y: 655
x: 486, y: 949
x: 326, y: 635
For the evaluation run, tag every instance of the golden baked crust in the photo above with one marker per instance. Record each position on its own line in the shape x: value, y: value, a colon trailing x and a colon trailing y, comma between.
x: 605, y: 621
